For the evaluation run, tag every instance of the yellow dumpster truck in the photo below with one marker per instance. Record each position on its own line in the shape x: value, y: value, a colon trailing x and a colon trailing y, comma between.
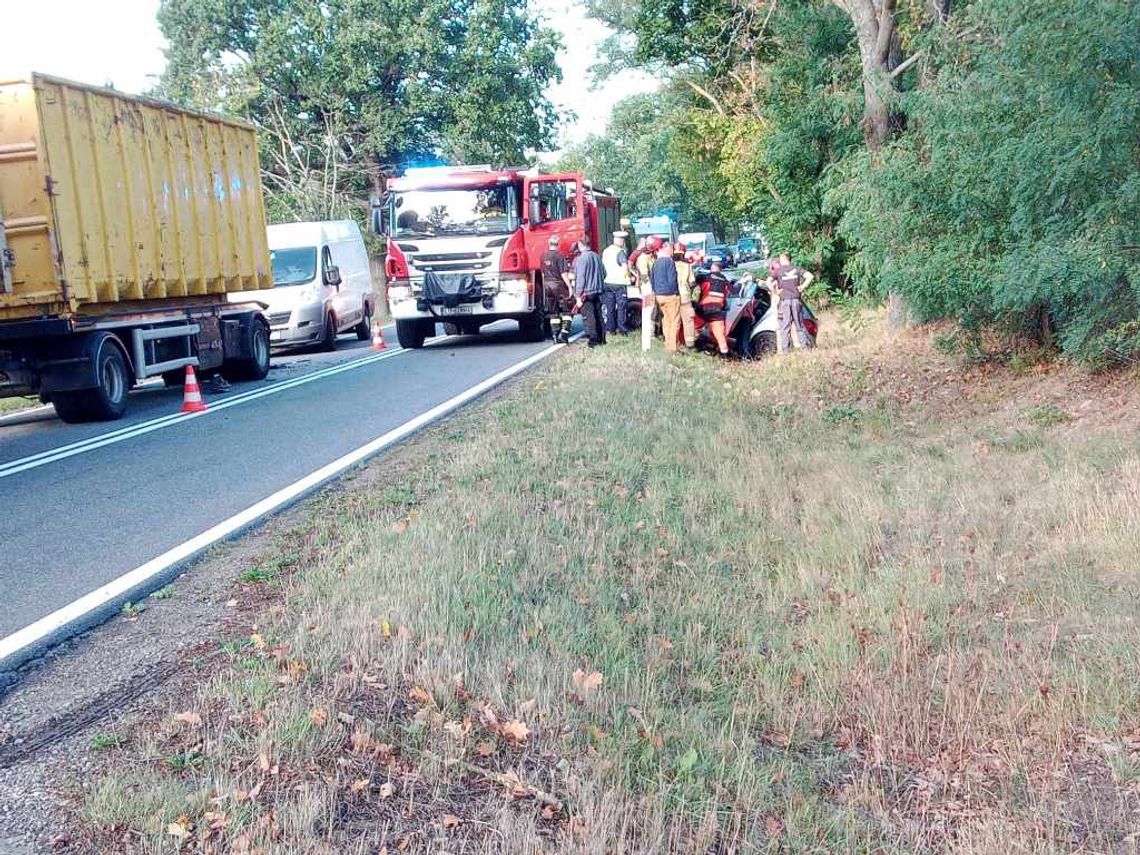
x: 126, y: 223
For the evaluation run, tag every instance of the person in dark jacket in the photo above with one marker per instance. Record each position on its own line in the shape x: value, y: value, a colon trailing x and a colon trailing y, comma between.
x: 667, y: 294
x: 589, y: 286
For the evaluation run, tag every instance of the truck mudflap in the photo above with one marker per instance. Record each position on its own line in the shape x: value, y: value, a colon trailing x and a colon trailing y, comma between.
x: 449, y: 290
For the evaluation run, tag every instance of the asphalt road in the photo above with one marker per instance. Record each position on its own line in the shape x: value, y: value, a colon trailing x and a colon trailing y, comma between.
x: 84, y: 504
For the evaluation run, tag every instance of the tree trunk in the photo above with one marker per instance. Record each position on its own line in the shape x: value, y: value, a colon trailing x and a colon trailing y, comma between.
x: 874, y: 22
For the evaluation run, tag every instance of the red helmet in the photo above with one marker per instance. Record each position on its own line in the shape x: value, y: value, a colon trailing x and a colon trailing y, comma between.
x: 680, y: 247
x: 654, y: 244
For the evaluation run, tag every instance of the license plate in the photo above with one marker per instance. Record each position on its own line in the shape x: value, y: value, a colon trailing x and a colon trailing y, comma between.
x: 458, y: 310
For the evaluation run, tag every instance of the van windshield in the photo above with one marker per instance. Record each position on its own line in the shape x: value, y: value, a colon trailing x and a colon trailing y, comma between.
x: 477, y: 211
x: 295, y: 266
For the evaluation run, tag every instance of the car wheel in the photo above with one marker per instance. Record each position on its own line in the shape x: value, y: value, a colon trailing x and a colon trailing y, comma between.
x: 328, y: 335
x: 363, y: 329
x: 761, y: 345
x: 410, y: 334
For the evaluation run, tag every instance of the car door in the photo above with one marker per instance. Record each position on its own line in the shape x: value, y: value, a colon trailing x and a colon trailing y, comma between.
x: 341, y: 297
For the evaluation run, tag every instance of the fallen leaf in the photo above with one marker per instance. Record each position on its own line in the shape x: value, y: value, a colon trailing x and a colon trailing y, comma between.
x: 489, y: 719
x: 385, y: 628
x: 318, y: 717
x: 359, y: 785
x: 403, y: 632
x: 179, y: 828
x: 257, y: 640
x: 516, y: 730
x: 400, y: 526
x: 420, y: 695
x: 264, y: 760
x: 484, y: 749
x: 664, y: 643
x: 527, y: 707
x: 450, y: 820
x: 548, y: 812
x: 387, y: 789
x: 587, y: 682
x: 457, y: 729
x: 773, y: 825
x: 190, y: 718
x: 797, y: 679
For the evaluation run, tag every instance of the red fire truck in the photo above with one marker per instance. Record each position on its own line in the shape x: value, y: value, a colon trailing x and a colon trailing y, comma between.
x: 464, y: 244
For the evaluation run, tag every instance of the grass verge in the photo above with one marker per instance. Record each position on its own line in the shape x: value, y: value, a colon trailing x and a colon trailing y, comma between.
x: 860, y: 600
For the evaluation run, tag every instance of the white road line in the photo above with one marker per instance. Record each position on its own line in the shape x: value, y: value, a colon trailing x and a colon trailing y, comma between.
x: 32, y: 461
x: 20, y: 645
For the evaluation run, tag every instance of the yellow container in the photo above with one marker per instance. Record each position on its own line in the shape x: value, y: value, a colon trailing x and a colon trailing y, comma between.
x: 118, y: 204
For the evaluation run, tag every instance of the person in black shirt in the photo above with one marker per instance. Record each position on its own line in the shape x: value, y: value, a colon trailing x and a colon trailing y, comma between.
x: 556, y: 290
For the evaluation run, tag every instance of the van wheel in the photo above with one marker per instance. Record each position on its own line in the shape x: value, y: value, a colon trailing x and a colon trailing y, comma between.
x: 107, y: 401
x: 363, y: 329
x: 327, y: 342
x: 411, y: 334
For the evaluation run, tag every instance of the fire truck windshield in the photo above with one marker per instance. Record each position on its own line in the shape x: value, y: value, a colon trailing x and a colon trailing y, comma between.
x: 431, y: 213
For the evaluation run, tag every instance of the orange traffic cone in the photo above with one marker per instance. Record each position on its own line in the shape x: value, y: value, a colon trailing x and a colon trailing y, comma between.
x: 378, y: 337
x: 191, y: 395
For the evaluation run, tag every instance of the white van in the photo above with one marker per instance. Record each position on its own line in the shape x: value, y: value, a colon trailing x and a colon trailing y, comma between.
x: 698, y: 242
x: 322, y: 284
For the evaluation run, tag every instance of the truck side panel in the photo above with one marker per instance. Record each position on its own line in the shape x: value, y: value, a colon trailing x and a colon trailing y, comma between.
x: 147, y: 202
x: 25, y: 210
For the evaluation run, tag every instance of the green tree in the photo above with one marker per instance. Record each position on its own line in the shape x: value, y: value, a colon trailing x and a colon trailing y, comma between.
x: 1014, y: 198
x: 345, y: 89
x: 637, y: 157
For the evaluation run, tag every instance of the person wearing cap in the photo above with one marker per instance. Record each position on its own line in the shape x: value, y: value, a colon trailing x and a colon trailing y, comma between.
x: 557, y: 291
x: 614, y: 298
x: 667, y: 294
x: 589, y: 285
x: 685, y: 283
x: 790, y: 280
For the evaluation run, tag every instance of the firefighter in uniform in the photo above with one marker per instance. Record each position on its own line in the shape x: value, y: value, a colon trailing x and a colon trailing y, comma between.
x: 556, y: 289
x: 714, y: 305
x: 685, y: 283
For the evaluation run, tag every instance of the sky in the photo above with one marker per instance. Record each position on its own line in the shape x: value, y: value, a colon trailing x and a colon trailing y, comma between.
x: 119, y: 43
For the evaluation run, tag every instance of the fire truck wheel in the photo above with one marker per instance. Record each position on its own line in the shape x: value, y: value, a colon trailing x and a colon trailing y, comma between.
x: 411, y: 334
x: 531, y: 326
x: 451, y: 329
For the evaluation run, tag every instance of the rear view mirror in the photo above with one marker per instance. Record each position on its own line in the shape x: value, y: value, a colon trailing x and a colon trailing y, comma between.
x: 332, y: 276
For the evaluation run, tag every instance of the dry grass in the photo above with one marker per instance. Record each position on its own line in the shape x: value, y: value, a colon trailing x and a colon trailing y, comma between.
x: 860, y: 600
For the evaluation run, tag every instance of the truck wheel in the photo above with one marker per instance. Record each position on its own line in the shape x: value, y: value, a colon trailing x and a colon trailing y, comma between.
x: 530, y: 327
x: 107, y: 401
x: 257, y: 366
x: 451, y: 329
x: 328, y: 335
x: 363, y: 329
x: 411, y: 334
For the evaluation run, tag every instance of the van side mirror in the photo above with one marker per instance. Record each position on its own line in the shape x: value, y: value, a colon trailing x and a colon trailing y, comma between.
x: 332, y: 277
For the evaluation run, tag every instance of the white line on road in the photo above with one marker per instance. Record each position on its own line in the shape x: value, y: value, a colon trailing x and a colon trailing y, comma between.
x: 17, y: 647
x: 32, y: 461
